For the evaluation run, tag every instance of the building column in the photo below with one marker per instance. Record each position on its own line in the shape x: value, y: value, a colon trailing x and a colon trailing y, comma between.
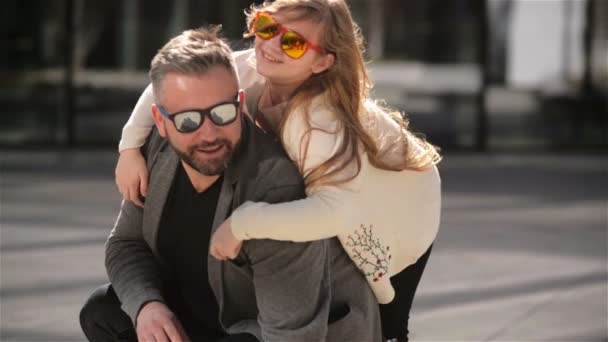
x: 130, y: 34
x: 179, y: 17
x: 375, y: 37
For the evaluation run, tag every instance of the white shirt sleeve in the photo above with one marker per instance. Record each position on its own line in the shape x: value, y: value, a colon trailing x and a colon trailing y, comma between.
x: 140, y: 123
x: 318, y: 216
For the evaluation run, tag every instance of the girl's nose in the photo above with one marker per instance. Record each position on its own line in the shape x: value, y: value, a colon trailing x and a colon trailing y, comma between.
x: 274, y: 45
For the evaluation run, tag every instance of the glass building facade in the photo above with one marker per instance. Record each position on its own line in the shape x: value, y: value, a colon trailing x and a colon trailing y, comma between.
x: 71, y: 70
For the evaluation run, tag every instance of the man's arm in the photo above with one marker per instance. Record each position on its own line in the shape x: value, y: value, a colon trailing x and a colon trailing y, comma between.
x: 130, y: 264
x: 134, y: 270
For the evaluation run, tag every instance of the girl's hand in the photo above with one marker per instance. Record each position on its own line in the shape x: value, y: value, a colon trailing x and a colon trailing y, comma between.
x: 132, y: 176
x: 224, y: 245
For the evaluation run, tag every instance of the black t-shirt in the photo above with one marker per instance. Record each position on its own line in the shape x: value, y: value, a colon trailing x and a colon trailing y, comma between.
x: 183, y: 244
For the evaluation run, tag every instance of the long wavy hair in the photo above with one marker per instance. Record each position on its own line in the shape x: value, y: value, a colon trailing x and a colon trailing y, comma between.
x: 345, y: 86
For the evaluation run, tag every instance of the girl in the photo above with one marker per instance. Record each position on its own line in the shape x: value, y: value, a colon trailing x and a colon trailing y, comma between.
x: 369, y: 181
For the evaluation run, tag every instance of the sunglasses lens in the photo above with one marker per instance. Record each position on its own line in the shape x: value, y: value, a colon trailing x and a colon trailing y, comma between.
x: 223, y: 114
x: 266, y: 27
x: 293, y: 44
x: 188, y: 121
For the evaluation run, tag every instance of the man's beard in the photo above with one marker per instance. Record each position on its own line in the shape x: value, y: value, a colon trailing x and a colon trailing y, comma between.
x: 208, y: 167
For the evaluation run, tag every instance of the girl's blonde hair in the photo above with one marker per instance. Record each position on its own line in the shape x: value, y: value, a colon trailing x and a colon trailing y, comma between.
x: 346, y: 86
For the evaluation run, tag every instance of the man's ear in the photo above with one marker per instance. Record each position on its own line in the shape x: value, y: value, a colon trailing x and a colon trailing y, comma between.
x: 323, y: 63
x: 158, y: 120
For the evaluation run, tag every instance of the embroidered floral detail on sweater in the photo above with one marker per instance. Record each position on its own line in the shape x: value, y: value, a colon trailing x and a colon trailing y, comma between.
x: 368, y: 253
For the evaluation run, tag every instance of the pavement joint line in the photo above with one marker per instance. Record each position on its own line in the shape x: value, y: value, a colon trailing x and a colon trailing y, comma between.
x: 522, y: 317
x: 45, y: 289
x: 439, y: 301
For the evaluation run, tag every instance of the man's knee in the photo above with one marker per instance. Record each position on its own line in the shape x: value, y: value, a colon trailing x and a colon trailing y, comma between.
x: 95, y: 307
x: 101, y: 310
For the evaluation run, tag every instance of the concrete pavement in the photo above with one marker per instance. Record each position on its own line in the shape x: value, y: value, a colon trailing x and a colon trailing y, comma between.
x: 521, y: 254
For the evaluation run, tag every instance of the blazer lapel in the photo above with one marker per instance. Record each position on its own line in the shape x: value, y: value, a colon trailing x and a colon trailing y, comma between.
x: 161, y: 179
x: 215, y: 268
x: 224, y: 203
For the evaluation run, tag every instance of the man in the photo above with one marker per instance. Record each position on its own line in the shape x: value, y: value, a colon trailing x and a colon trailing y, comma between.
x: 213, y: 160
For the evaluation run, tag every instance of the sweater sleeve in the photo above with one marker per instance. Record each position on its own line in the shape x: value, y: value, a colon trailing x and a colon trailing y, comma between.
x: 140, y: 123
x: 318, y: 216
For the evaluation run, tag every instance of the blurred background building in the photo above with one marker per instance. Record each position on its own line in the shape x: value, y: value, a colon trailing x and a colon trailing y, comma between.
x: 472, y: 74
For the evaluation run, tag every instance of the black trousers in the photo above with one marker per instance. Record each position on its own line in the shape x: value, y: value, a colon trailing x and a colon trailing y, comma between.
x: 102, y: 319
x: 396, y: 314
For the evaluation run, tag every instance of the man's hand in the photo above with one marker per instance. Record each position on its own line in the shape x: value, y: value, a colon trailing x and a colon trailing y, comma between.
x: 224, y: 245
x: 132, y: 175
x: 156, y: 323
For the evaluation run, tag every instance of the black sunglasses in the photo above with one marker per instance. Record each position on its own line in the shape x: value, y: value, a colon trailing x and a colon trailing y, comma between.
x: 187, y: 121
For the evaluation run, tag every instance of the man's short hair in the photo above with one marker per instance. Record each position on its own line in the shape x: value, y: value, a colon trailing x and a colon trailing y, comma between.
x: 193, y: 52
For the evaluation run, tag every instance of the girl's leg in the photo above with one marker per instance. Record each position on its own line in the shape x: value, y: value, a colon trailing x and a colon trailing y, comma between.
x: 395, y: 315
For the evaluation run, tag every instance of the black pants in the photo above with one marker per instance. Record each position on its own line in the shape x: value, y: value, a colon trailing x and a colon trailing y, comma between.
x: 395, y: 315
x: 102, y: 319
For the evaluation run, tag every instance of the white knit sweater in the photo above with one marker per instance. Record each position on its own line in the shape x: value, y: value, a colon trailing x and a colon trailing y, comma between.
x: 385, y: 220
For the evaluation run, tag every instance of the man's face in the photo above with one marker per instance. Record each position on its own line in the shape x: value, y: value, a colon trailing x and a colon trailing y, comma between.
x: 209, y: 149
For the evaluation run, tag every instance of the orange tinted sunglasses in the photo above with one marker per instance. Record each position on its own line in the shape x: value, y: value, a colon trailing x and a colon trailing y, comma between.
x: 293, y: 44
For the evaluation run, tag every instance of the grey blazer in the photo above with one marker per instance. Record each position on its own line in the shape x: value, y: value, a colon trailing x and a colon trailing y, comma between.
x: 275, y: 290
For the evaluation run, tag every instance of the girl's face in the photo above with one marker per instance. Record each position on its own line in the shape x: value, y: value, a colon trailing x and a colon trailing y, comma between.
x: 279, y: 68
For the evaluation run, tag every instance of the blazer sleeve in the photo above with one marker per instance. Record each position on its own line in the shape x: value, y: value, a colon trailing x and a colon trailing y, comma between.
x: 131, y: 266
x: 318, y: 216
x: 130, y: 263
